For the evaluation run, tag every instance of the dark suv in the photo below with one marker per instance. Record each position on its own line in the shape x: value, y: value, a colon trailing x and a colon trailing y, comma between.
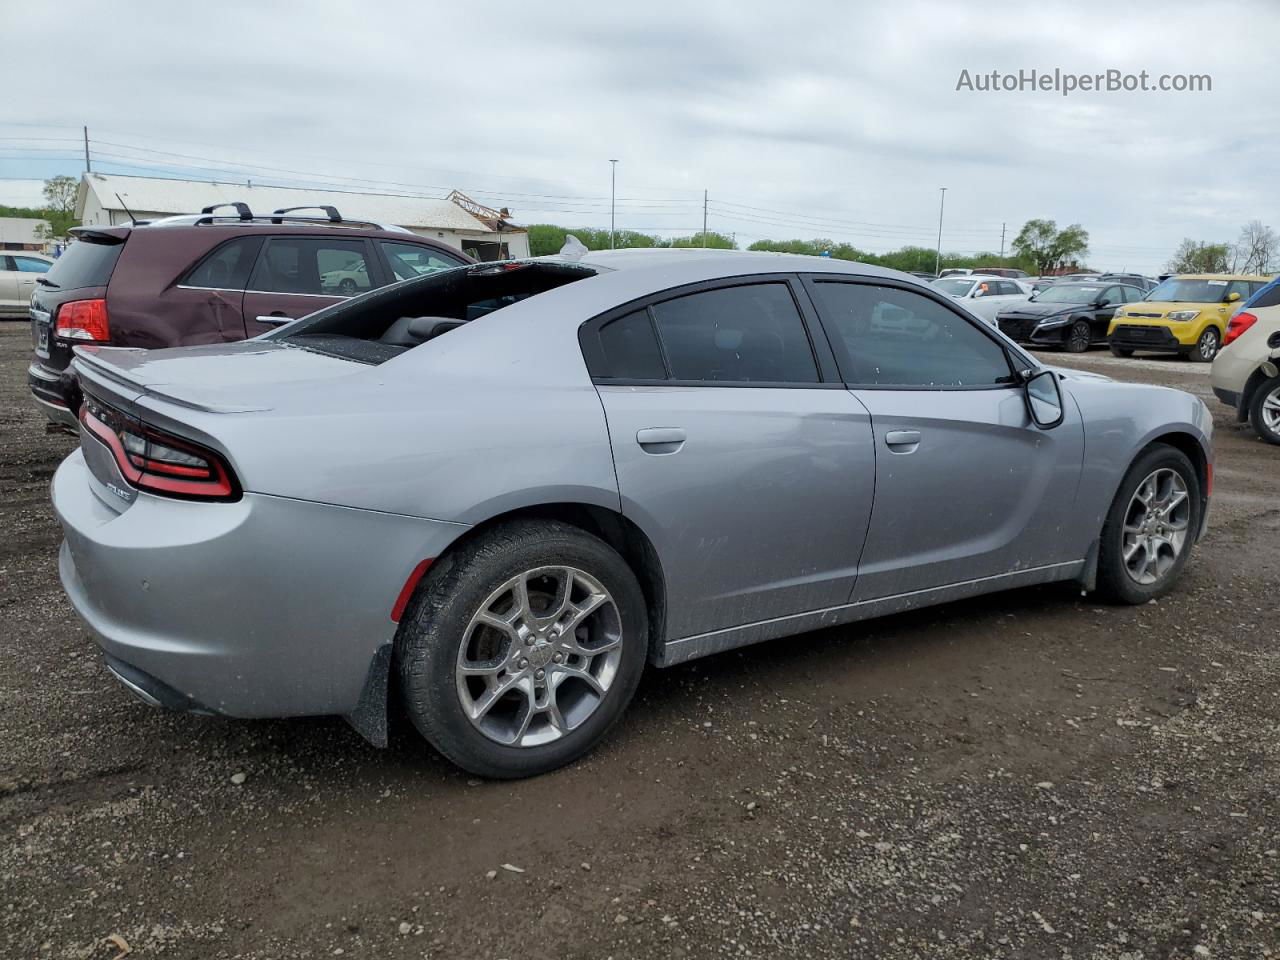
x: 206, y: 278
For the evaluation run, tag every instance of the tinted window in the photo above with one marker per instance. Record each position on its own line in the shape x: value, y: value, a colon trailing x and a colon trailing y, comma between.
x: 745, y: 334
x: 1268, y: 296
x: 335, y: 268
x: 227, y: 267
x: 1112, y: 296
x: 1241, y: 287
x: 6, y: 263
x: 30, y: 265
x: 1009, y: 289
x: 409, y: 260
x: 86, y: 263
x: 1133, y: 293
x: 630, y: 348
x: 893, y: 337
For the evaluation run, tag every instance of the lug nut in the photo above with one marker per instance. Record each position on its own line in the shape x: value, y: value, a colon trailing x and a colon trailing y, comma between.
x: 539, y: 674
x: 523, y: 664
x: 556, y: 657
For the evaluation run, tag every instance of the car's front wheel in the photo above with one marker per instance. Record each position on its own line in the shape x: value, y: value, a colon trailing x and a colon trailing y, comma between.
x: 1206, y: 347
x: 1264, y: 410
x: 522, y: 648
x: 1151, y: 527
x: 1078, y: 337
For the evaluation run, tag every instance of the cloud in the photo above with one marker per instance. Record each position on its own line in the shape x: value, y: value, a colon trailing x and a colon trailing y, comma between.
x: 840, y: 120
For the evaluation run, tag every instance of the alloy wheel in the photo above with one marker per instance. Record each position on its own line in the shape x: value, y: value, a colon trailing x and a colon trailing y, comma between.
x: 539, y: 656
x: 1208, y: 345
x: 1271, y: 411
x: 1156, y: 526
x: 1078, y: 338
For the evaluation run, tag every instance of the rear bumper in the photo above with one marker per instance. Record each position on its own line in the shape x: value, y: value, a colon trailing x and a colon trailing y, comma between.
x: 55, y: 394
x: 265, y: 607
x: 1229, y: 397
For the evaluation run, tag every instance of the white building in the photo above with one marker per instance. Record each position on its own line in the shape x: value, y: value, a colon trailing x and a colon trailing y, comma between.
x: 108, y: 199
x: 22, y: 233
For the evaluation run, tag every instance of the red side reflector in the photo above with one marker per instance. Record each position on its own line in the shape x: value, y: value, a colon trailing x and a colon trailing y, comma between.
x: 410, y: 585
x: 1208, y: 484
x: 83, y: 320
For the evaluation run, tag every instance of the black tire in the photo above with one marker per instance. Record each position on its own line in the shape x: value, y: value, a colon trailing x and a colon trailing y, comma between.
x: 1122, y: 351
x: 1114, y: 581
x: 429, y: 637
x: 1206, y: 347
x: 347, y: 287
x: 1078, y: 337
x: 1260, y: 394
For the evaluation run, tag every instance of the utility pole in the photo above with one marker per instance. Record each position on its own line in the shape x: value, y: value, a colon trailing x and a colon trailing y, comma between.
x: 937, y: 263
x: 1002, y: 226
x: 613, y: 195
x: 87, y: 167
x: 704, y: 219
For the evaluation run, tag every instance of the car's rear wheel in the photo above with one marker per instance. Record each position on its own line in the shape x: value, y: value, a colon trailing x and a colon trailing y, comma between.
x: 1264, y: 410
x: 1078, y: 337
x: 522, y: 649
x: 1122, y: 351
x: 1206, y: 347
x: 1151, y: 527
x: 347, y: 287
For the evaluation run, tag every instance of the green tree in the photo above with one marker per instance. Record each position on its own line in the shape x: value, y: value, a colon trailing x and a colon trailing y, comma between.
x: 60, y: 195
x: 718, y: 241
x: 1197, y: 256
x: 547, y: 238
x: 1042, y: 243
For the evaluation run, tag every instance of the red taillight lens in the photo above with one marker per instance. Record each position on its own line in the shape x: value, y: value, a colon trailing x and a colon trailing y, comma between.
x: 83, y: 320
x: 156, y: 461
x: 1237, y: 325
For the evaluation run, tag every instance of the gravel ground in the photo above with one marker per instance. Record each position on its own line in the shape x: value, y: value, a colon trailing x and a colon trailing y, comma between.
x: 1028, y: 775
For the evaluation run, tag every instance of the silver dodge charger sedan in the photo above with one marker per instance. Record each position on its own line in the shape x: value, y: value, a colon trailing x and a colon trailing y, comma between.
x: 497, y: 492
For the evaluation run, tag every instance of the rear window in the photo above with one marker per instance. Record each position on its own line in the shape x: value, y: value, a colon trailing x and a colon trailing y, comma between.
x: 86, y: 263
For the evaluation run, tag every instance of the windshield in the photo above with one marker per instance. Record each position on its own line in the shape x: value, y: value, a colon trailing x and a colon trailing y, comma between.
x: 954, y: 286
x: 1069, y: 293
x: 1186, y: 290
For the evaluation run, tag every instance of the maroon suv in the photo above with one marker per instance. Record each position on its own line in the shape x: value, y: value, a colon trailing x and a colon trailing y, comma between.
x: 206, y: 279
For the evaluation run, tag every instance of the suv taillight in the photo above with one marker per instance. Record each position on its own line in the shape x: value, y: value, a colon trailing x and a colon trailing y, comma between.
x: 83, y: 320
x: 156, y: 461
x: 1237, y: 325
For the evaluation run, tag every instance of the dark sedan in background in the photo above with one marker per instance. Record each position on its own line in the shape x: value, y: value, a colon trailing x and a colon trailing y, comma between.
x: 1071, y: 315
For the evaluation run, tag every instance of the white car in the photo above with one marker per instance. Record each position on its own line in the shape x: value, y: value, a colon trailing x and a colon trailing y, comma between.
x: 18, y: 272
x: 983, y: 295
x: 1246, y: 371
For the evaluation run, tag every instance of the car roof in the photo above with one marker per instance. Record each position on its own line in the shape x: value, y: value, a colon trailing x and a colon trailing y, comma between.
x: 727, y: 263
x: 1220, y: 276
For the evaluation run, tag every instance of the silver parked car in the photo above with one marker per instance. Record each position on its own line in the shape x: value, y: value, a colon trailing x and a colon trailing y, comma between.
x: 511, y: 486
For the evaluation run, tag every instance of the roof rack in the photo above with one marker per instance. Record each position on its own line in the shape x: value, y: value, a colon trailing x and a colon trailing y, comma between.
x: 284, y: 215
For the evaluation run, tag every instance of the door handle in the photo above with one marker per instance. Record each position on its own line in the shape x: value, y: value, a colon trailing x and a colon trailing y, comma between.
x: 659, y: 440
x: 902, y: 441
x: 276, y: 317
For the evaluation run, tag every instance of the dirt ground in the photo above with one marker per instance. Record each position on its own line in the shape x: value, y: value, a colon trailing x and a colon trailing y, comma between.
x: 1033, y: 774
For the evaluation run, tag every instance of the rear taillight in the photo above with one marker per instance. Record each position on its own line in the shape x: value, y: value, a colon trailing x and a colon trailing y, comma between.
x: 1237, y: 325
x: 83, y: 320
x: 156, y: 461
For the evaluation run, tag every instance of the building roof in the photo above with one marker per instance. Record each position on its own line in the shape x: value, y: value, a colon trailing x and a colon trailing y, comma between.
x: 159, y: 195
x: 20, y: 230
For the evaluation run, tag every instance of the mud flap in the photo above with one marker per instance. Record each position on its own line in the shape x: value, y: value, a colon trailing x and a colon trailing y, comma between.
x: 370, y: 715
x: 1088, y: 576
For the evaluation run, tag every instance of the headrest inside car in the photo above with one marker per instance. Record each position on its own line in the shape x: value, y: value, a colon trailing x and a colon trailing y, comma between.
x: 411, y: 331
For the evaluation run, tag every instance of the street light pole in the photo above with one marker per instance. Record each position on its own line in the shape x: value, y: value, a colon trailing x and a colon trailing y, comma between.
x: 937, y: 263
x: 613, y: 193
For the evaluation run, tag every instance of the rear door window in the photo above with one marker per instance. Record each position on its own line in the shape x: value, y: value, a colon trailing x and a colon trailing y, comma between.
x: 409, y: 260
x: 630, y: 348
x: 312, y: 266
x: 88, y: 262
x: 30, y: 265
x: 227, y: 267
x: 745, y: 334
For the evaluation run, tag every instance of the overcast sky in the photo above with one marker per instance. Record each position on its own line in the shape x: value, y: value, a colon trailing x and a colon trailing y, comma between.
x: 835, y: 120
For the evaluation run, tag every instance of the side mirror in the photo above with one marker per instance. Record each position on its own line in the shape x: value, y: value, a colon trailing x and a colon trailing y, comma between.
x: 1232, y: 297
x: 1044, y: 399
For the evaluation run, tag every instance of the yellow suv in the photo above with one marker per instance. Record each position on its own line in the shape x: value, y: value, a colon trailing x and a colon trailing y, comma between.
x: 1186, y: 314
